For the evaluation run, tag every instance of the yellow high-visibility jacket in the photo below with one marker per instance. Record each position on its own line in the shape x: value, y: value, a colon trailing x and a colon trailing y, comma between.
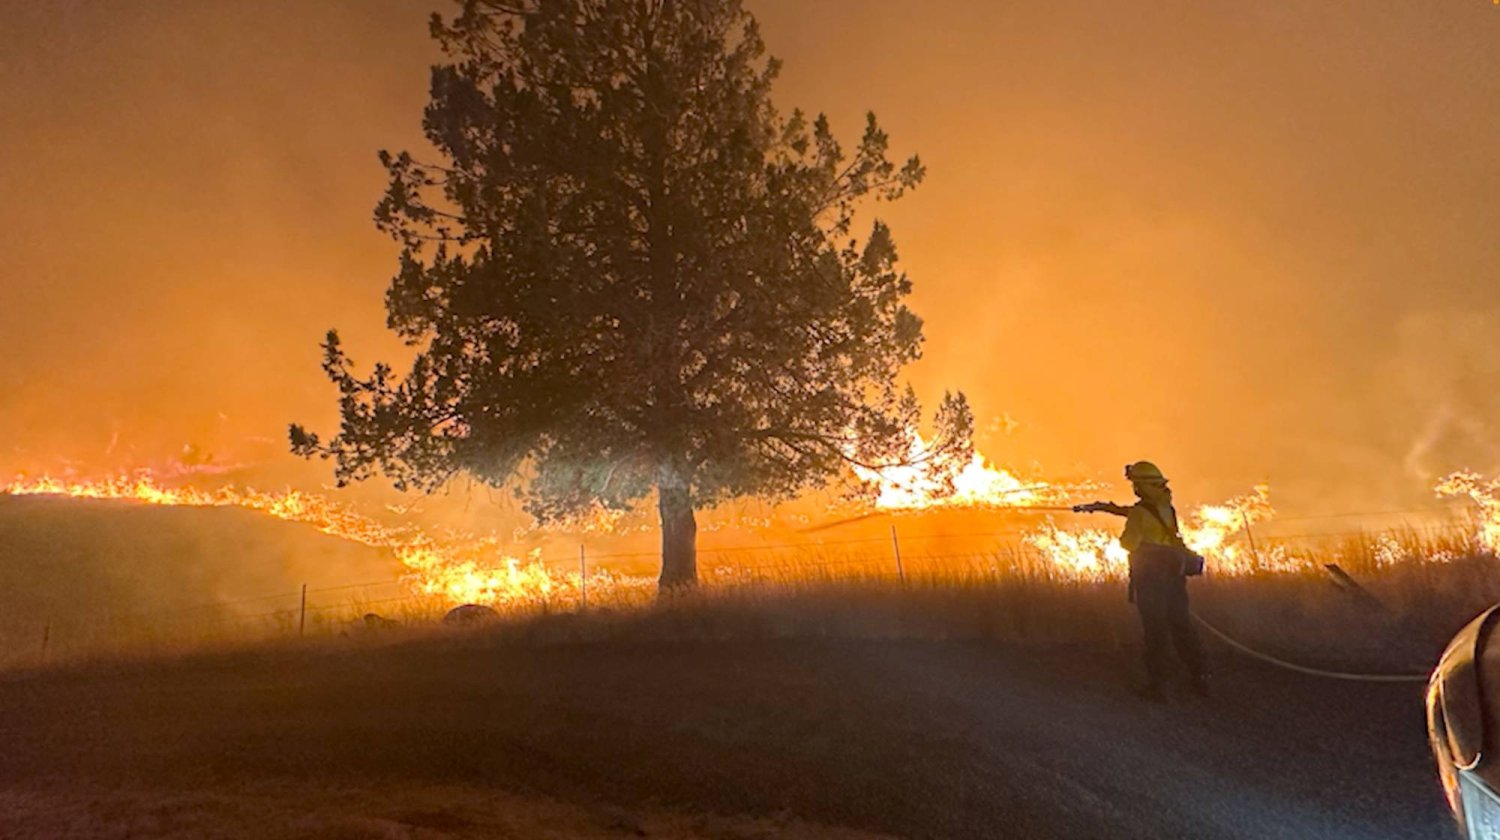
x: 1142, y: 527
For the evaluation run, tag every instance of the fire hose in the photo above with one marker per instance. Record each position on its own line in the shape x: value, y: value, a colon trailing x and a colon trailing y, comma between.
x: 1304, y: 669
x: 1107, y: 507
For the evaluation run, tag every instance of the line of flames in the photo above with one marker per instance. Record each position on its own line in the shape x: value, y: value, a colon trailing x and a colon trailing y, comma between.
x: 932, y: 479
x: 1222, y: 533
x: 1212, y: 530
x: 464, y: 569
x: 457, y: 569
x: 1485, y: 494
x: 1215, y: 531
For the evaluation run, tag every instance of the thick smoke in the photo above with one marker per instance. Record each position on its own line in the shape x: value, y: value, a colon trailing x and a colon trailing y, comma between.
x: 1251, y: 241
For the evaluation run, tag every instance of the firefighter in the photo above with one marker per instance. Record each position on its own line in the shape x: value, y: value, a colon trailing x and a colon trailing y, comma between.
x: 1160, y: 565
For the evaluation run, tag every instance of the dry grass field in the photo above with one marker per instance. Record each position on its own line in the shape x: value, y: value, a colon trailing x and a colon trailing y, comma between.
x: 85, y: 579
x: 981, y: 697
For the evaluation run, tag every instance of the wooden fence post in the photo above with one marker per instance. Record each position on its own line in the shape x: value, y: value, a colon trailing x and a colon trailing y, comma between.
x: 1249, y: 535
x: 896, y: 544
x: 302, y: 613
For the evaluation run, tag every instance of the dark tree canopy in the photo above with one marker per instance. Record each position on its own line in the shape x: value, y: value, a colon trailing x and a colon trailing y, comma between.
x: 626, y: 273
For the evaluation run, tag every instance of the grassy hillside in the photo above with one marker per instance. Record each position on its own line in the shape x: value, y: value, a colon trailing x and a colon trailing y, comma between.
x: 88, y: 570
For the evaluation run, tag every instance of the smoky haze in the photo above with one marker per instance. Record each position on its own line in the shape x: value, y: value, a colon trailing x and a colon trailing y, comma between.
x: 1255, y: 242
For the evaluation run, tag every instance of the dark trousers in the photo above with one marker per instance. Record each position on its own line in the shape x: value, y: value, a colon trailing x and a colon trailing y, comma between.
x: 1162, y: 599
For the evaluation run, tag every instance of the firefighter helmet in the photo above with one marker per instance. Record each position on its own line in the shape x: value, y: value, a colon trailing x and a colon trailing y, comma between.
x: 1144, y: 471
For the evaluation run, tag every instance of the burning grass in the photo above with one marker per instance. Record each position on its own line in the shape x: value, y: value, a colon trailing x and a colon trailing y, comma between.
x: 463, y: 568
x: 1053, y: 583
x: 1396, y: 616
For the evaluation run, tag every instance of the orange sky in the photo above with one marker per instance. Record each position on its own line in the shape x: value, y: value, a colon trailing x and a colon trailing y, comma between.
x: 1255, y: 241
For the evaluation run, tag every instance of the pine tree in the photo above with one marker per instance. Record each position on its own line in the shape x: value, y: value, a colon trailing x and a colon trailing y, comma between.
x: 628, y: 274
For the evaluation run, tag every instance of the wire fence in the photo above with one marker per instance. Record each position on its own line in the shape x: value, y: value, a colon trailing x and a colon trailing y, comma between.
x: 577, y: 581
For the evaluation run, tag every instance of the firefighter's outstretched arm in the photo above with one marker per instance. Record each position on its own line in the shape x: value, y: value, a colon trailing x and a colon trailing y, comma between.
x: 1103, y: 507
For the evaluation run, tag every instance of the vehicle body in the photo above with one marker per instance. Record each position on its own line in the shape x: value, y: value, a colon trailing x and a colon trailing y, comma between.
x: 1463, y: 725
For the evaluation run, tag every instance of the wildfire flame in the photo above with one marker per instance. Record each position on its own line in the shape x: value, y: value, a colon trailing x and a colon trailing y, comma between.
x: 1210, y: 530
x: 1090, y: 554
x: 1485, y: 495
x: 932, y: 479
x: 460, y: 569
x: 1215, y: 530
x: 467, y: 569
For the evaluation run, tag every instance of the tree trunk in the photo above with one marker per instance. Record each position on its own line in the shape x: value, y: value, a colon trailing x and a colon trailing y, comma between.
x: 679, y: 539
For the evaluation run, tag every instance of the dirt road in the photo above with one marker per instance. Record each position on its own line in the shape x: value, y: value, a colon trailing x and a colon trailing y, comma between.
x: 910, y: 739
